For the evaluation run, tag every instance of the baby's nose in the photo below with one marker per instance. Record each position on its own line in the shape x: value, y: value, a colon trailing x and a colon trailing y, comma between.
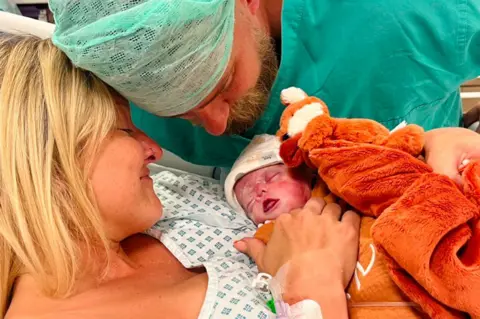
x: 260, y: 189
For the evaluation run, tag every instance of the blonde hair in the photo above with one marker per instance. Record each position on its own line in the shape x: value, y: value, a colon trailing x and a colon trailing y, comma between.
x: 53, y: 117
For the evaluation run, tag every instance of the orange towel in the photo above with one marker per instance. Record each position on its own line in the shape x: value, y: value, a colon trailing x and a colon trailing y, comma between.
x: 372, y: 294
x: 427, y: 230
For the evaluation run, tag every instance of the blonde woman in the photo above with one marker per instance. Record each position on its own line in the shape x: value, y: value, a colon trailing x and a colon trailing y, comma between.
x: 76, y: 196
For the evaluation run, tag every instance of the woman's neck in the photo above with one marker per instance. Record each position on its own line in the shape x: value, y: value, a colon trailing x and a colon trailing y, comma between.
x: 120, y: 265
x: 102, y: 267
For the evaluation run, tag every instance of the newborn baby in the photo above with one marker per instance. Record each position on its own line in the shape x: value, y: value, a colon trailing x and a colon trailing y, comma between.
x: 261, y: 186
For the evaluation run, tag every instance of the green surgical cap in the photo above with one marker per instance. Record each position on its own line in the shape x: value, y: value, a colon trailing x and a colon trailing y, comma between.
x: 166, y: 56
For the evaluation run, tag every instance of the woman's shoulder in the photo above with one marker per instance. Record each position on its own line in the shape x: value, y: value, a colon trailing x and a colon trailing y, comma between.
x: 157, y: 289
x: 128, y: 299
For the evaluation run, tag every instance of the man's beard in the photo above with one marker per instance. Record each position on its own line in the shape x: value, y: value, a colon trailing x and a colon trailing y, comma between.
x: 246, y: 111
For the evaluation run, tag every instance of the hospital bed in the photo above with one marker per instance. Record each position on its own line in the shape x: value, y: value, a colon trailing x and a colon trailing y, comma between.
x: 11, y: 23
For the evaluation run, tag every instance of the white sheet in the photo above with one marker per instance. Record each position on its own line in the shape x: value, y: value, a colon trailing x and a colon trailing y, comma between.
x: 16, y: 24
x: 156, y: 168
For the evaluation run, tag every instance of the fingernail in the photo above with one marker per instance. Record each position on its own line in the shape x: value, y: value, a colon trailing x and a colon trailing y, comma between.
x: 240, y: 245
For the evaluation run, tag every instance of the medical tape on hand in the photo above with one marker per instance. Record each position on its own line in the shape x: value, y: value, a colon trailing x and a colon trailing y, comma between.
x: 305, y: 309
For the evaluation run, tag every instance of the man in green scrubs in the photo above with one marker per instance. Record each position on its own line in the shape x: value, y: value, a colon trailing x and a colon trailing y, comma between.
x: 387, y: 60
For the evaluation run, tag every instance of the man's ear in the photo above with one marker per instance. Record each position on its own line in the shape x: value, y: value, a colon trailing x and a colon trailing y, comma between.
x: 252, y: 6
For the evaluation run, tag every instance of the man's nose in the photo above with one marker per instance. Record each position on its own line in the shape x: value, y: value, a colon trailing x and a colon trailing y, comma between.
x: 214, y: 117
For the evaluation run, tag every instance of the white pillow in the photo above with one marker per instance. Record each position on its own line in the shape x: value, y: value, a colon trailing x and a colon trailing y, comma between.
x: 16, y: 24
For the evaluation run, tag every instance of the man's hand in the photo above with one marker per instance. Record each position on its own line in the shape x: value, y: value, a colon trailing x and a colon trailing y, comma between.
x: 447, y: 148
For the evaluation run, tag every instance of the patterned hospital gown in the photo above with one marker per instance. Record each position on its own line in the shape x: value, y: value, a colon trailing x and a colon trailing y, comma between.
x: 199, y: 228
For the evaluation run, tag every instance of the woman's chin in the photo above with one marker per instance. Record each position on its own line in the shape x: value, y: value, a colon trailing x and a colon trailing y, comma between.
x: 155, y: 212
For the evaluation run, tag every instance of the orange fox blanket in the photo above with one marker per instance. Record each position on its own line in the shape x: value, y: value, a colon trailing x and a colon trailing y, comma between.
x: 427, y: 229
x: 372, y: 294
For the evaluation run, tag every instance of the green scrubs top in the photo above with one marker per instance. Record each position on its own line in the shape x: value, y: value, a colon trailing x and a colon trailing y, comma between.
x: 387, y: 60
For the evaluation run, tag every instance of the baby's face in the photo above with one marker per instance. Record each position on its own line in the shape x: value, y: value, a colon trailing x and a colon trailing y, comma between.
x: 269, y: 192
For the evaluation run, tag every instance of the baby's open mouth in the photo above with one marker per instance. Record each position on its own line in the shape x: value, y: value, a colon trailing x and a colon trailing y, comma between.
x: 269, y: 204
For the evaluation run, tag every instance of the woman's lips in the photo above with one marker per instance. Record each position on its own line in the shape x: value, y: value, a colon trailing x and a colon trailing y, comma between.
x: 269, y: 205
x: 145, y: 173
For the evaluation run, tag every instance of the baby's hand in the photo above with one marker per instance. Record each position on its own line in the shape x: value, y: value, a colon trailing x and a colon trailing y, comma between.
x: 447, y: 150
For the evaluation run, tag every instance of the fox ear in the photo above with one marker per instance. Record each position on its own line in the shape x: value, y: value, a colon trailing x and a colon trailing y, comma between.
x: 292, y: 95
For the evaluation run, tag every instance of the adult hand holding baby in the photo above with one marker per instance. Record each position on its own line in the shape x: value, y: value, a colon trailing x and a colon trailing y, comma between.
x: 447, y: 148
x: 319, y: 245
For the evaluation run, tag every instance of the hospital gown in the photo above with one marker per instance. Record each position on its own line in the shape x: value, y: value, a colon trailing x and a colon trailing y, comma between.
x: 199, y: 229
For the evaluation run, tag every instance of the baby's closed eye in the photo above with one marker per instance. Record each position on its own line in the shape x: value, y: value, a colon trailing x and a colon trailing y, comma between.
x: 270, y: 177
